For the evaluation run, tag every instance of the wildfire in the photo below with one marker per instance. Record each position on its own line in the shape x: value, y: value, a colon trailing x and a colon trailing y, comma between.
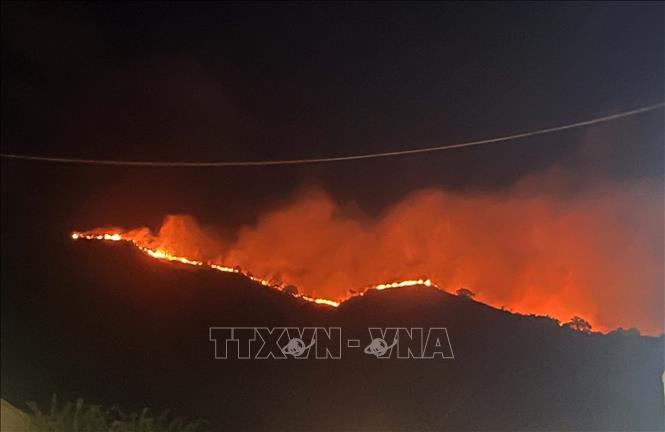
x: 405, y: 283
x: 321, y: 301
x: 112, y: 237
x: 161, y: 254
x: 542, y: 254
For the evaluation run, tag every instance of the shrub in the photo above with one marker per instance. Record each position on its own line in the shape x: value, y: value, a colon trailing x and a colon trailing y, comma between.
x: 82, y: 417
x: 465, y: 293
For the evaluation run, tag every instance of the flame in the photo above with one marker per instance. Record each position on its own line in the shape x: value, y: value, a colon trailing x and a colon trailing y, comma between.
x: 111, y: 237
x: 405, y: 283
x: 166, y: 256
x: 519, y: 249
x: 320, y: 301
x: 163, y: 255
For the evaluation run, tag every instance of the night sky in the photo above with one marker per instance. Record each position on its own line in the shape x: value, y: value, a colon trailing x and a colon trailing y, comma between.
x: 203, y: 81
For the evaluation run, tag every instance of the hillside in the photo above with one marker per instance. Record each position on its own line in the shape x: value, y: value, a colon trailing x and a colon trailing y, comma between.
x: 113, y: 325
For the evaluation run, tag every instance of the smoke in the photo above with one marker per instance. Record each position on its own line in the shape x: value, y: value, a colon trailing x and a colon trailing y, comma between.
x: 596, y: 253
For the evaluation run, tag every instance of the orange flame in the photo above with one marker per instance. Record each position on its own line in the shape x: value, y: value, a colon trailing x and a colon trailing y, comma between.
x: 161, y: 254
x: 530, y: 253
x: 405, y: 283
x: 166, y: 256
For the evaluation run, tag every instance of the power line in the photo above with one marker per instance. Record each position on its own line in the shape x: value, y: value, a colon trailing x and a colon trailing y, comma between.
x: 597, y: 120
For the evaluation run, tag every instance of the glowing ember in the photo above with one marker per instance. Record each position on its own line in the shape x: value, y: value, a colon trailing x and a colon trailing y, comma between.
x: 112, y: 237
x: 320, y: 301
x: 405, y: 283
x: 161, y: 254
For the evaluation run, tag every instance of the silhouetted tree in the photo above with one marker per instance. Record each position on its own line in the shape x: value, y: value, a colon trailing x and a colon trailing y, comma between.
x: 465, y: 292
x: 579, y: 324
x: 290, y: 289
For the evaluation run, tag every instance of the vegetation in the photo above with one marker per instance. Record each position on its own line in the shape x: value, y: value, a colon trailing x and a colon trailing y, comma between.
x: 579, y: 324
x: 83, y: 417
x: 465, y: 292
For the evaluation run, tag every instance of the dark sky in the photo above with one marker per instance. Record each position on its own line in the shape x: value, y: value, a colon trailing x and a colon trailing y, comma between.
x: 211, y: 81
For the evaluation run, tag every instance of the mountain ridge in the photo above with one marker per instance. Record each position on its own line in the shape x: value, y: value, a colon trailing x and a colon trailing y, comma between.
x: 145, y: 341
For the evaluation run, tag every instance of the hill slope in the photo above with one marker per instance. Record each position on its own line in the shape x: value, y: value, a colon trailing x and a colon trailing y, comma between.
x: 113, y: 325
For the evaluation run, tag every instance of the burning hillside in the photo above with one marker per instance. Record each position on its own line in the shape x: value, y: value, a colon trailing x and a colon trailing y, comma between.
x: 598, y: 255
x: 128, y: 327
x: 160, y: 253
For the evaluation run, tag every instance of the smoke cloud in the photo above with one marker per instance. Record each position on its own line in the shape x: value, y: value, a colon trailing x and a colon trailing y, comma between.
x: 596, y: 253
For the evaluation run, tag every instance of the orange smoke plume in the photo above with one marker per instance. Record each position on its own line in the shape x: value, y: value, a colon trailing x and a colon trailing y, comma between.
x: 598, y: 255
